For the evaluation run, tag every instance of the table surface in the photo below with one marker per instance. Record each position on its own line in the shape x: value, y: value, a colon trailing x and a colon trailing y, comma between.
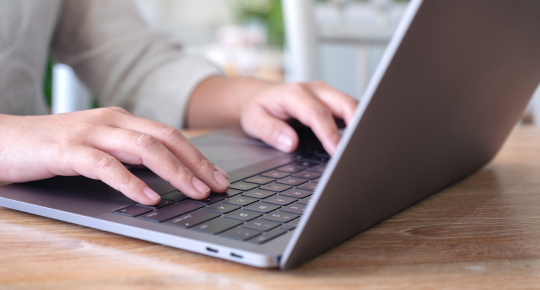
x: 483, y: 232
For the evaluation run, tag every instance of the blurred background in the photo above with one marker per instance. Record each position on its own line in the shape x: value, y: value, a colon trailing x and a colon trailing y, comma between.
x: 338, y: 41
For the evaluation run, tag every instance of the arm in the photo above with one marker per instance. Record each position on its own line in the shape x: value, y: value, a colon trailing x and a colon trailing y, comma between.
x: 147, y: 73
x: 125, y: 62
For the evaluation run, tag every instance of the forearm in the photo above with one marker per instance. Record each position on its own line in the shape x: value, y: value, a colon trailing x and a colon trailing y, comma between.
x: 218, y: 101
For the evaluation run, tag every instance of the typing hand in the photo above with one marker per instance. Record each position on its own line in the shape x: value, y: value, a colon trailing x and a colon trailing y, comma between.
x: 93, y: 143
x: 314, y: 104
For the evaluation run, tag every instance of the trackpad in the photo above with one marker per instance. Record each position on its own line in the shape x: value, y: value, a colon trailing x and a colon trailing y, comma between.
x: 231, y: 153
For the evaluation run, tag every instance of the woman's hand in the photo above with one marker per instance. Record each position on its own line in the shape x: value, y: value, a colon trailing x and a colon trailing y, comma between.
x: 93, y: 143
x: 313, y: 104
x: 263, y: 109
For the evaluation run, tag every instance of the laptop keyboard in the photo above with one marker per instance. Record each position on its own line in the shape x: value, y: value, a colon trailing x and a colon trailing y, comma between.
x: 256, y: 209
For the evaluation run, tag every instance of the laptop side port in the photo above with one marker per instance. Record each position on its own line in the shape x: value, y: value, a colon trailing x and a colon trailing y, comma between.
x: 212, y: 250
x: 236, y: 255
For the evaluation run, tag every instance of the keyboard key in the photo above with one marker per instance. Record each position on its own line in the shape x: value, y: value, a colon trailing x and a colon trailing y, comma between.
x: 322, y: 157
x: 291, y: 181
x: 290, y: 225
x: 317, y: 169
x: 316, y: 180
x: 321, y: 153
x: 261, y: 225
x: 315, y: 158
x: 297, y: 193
x: 262, y: 207
x: 306, y: 175
x: 216, y: 226
x: 275, y: 186
x: 228, y: 193
x: 170, y: 211
x: 275, y: 174
x: 240, y: 234
x: 280, y: 216
x: 304, y: 201
x: 174, y: 195
x: 211, y: 199
x: 242, y: 215
x: 265, y: 237
x: 308, y: 186
x: 291, y: 168
x: 279, y: 200
x: 132, y: 210
x: 191, y: 219
x: 258, y: 193
x: 221, y: 207
x: 305, y: 163
x: 240, y: 200
x: 260, y: 179
x: 243, y: 185
x: 162, y: 203
x: 294, y: 208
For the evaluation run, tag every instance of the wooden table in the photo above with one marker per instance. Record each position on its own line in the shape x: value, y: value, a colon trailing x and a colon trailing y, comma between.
x: 483, y: 232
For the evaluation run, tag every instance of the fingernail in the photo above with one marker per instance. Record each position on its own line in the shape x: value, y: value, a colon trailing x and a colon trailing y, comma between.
x: 220, y: 179
x: 222, y: 172
x: 334, y: 145
x: 332, y: 150
x: 284, y: 143
x: 151, y: 194
x: 200, y: 186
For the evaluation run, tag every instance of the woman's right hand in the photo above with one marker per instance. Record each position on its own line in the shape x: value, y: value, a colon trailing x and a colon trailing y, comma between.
x: 94, y: 143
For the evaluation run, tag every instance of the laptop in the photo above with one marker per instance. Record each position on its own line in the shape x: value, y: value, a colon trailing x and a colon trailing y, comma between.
x: 453, y: 82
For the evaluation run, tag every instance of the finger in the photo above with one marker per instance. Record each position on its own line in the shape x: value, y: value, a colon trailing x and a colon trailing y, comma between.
x: 341, y: 105
x: 97, y: 164
x: 138, y: 148
x: 222, y: 172
x: 299, y: 103
x: 260, y: 124
x: 181, y: 148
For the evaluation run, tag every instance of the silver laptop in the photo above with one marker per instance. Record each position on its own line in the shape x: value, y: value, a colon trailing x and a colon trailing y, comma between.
x: 453, y: 82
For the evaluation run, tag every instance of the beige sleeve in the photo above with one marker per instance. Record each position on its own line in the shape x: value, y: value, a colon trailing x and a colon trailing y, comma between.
x: 126, y: 63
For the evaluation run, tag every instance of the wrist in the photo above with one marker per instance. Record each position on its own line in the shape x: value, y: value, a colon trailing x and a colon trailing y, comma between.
x: 249, y: 88
x: 218, y: 101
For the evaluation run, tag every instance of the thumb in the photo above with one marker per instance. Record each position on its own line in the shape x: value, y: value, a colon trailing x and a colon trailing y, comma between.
x: 275, y: 132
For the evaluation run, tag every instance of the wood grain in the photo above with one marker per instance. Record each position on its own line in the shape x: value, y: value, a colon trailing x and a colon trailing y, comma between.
x: 482, y: 233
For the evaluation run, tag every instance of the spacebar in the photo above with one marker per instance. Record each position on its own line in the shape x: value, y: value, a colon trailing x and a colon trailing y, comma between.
x: 258, y: 168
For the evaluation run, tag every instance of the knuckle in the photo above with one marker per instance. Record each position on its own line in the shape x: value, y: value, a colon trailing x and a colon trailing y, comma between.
x: 170, y: 132
x: 103, y: 113
x: 128, y: 181
x: 119, y: 109
x: 202, y: 162
x: 105, y: 163
x: 182, y: 170
x: 146, y: 142
x: 296, y: 89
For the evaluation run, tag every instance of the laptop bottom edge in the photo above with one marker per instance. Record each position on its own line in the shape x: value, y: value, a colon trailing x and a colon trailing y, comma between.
x: 201, y: 247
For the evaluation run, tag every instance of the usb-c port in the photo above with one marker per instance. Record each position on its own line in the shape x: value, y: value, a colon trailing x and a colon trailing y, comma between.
x: 236, y: 256
x: 211, y: 250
